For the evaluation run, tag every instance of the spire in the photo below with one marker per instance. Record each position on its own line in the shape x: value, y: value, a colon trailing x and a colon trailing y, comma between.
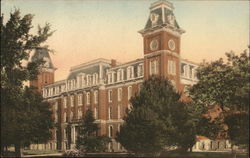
x: 43, y: 54
x: 161, y: 15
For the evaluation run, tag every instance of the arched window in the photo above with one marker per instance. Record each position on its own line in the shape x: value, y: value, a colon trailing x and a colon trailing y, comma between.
x: 88, y: 97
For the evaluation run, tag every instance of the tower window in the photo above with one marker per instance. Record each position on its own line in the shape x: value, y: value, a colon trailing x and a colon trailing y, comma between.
x: 171, y: 67
x: 79, y: 99
x: 96, y: 97
x: 153, y: 67
x: 110, y: 113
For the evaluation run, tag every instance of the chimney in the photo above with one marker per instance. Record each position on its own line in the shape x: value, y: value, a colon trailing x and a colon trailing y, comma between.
x: 113, y: 62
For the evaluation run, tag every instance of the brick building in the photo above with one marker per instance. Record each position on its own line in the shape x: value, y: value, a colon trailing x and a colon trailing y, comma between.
x: 105, y: 86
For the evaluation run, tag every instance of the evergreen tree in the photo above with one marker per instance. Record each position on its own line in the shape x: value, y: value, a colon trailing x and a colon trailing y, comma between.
x: 87, y: 138
x: 158, y: 119
x: 25, y: 118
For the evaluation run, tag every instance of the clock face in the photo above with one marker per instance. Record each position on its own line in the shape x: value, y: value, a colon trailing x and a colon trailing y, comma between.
x: 171, y: 44
x: 154, y: 45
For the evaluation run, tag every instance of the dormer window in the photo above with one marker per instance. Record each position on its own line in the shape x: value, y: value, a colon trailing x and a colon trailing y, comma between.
x: 119, y: 75
x: 109, y: 78
x: 140, y: 70
x: 130, y: 72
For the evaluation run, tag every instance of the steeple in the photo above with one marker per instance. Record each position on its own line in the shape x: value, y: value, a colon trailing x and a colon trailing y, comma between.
x: 43, y: 54
x: 46, y: 72
x: 161, y: 15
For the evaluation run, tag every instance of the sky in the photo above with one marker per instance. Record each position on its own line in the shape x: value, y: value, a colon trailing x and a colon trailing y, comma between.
x: 91, y: 29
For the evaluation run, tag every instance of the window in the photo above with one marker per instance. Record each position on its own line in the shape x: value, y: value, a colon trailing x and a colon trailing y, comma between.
x: 72, y: 101
x: 119, y: 94
x: 65, y: 102
x: 56, y: 106
x: 88, y: 97
x: 140, y: 70
x: 71, y: 116
x: 95, y: 113
x: 96, y: 97
x: 79, y: 99
x: 110, y: 131
x: 154, y: 67
x: 83, y: 80
x: 56, y: 117
x: 110, y: 113
x: 88, y: 80
x: 130, y: 72
x: 119, y: 112
x: 171, y: 67
x: 109, y: 78
x: 65, y: 117
x: 119, y: 75
x: 129, y: 92
x: 79, y: 116
x: 110, y: 95
x: 64, y: 133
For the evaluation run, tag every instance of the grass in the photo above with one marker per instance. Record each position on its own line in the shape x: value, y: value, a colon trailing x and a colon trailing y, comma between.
x: 39, y: 152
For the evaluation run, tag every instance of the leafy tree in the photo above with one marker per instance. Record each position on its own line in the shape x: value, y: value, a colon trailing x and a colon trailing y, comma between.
x: 158, y: 119
x: 87, y: 138
x: 24, y: 117
x: 226, y: 84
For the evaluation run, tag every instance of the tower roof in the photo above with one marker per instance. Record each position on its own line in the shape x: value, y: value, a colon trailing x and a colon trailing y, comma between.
x: 43, y: 54
x: 161, y: 15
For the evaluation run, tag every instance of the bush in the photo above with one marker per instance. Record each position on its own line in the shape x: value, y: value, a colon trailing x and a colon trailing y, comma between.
x: 74, y: 153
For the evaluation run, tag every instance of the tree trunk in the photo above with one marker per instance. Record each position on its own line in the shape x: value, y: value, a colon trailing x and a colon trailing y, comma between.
x: 18, y: 150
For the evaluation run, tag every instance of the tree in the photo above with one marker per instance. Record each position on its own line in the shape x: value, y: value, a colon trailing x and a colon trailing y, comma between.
x: 87, y: 138
x: 158, y: 119
x: 25, y: 118
x: 226, y: 84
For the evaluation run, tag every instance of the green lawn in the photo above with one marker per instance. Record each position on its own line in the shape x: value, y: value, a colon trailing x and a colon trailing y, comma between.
x: 39, y: 152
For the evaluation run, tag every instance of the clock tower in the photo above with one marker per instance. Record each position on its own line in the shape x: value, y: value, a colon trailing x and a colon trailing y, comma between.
x: 161, y: 41
x: 46, y: 71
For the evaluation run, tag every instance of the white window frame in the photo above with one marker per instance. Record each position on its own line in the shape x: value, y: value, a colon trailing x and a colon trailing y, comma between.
x: 96, y: 97
x: 110, y: 113
x: 79, y: 99
x: 119, y: 111
x: 79, y: 113
x: 64, y: 117
x: 130, y: 72
x: 88, y: 98
x: 72, y: 100
x: 110, y: 96
x: 71, y: 116
x: 65, y: 102
x: 95, y: 113
x: 130, y: 92
x: 56, y: 117
x: 119, y: 94
x: 140, y: 70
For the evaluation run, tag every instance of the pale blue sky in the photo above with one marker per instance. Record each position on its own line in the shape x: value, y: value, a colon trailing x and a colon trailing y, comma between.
x: 86, y: 30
